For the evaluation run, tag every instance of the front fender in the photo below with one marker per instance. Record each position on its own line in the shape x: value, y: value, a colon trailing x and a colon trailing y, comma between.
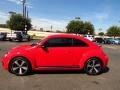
x: 29, y: 56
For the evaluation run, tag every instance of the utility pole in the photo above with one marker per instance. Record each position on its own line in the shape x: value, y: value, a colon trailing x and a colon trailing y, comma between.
x: 27, y: 14
x: 24, y: 13
x: 51, y: 28
x: 23, y: 4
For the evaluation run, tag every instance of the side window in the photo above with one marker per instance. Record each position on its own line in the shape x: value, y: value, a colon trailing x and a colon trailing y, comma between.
x: 59, y: 42
x: 78, y: 43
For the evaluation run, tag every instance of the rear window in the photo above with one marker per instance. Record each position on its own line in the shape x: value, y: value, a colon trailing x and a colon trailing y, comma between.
x: 78, y: 43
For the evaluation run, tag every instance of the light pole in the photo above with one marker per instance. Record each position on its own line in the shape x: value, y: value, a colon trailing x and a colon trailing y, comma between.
x: 77, y: 18
x: 11, y: 13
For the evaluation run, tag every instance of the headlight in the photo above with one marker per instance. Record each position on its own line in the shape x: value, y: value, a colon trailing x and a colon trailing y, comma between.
x: 7, y: 53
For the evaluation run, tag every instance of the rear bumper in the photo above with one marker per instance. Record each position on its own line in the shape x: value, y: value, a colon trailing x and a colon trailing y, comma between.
x: 105, y: 61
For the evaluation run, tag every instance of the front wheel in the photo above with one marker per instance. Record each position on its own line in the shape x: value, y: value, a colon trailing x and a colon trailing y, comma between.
x: 19, y: 66
x: 93, y: 66
x: 28, y: 38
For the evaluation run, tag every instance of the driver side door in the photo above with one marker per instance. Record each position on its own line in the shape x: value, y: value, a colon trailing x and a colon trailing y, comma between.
x: 57, y: 52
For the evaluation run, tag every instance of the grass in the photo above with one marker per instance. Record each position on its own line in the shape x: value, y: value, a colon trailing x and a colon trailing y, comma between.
x: 36, y: 37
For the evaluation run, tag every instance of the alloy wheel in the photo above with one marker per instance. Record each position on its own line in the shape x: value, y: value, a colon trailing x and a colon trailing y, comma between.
x: 93, y: 67
x: 19, y: 66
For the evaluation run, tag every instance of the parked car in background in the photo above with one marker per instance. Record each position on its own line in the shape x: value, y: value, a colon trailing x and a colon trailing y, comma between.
x: 107, y: 40
x: 116, y: 41
x: 56, y: 52
x: 89, y: 37
x: 3, y: 36
x: 18, y: 35
x: 99, y: 40
x: 119, y: 40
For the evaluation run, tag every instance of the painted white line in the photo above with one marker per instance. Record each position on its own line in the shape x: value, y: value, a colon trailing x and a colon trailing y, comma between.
x: 111, y: 47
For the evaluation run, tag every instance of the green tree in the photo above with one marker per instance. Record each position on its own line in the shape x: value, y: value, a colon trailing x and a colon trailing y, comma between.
x: 75, y: 26
x: 3, y: 26
x: 113, y: 31
x: 101, y: 33
x: 88, y: 28
x: 18, y: 22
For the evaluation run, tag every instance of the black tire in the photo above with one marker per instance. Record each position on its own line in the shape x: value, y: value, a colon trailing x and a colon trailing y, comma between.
x: 20, y: 66
x: 29, y: 38
x: 93, y: 66
x: 4, y: 38
x: 10, y: 39
x: 19, y: 37
x: 20, y: 40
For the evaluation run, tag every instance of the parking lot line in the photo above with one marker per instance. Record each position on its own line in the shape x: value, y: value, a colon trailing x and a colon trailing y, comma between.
x: 111, y: 47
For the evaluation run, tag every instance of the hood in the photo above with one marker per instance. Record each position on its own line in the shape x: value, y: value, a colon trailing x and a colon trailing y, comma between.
x: 21, y: 48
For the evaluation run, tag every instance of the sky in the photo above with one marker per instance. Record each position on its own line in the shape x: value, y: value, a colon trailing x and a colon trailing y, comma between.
x: 44, y: 13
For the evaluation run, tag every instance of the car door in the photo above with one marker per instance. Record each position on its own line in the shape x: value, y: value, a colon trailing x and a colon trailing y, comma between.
x: 56, y: 52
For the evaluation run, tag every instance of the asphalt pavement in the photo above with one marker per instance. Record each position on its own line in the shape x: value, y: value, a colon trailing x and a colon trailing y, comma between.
x: 62, y: 80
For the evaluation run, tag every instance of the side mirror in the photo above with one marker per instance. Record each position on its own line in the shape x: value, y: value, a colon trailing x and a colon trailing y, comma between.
x: 43, y: 46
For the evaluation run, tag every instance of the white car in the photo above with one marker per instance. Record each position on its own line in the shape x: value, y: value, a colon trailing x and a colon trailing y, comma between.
x: 89, y: 37
x: 18, y: 35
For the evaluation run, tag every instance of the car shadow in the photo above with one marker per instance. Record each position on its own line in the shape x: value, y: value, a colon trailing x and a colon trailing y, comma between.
x: 64, y: 71
x: 58, y: 72
x: 107, y: 69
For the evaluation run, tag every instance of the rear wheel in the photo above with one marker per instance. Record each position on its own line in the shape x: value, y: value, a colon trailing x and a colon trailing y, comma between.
x: 20, y: 39
x: 10, y: 40
x: 93, y: 66
x: 19, y: 66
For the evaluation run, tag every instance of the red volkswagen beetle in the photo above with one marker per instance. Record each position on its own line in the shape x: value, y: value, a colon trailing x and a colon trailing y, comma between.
x: 56, y: 52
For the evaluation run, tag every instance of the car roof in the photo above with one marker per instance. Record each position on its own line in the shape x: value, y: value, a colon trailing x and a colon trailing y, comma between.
x: 69, y: 36
x: 65, y: 36
x: 62, y: 35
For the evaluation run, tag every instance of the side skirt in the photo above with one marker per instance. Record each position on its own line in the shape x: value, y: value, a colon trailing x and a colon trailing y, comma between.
x: 58, y: 67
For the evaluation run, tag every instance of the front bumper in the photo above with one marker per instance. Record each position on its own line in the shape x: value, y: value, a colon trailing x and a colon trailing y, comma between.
x: 5, y: 61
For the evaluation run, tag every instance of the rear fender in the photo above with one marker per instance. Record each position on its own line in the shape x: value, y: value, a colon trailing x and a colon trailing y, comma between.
x: 88, y: 55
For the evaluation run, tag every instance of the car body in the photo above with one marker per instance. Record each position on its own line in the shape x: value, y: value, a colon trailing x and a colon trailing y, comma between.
x: 3, y: 35
x: 56, y: 52
x: 18, y: 35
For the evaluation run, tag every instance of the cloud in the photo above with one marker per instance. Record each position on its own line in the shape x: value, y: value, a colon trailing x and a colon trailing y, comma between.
x: 47, y: 23
x: 101, y: 16
x: 15, y: 1
x: 29, y: 5
x: 3, y: 17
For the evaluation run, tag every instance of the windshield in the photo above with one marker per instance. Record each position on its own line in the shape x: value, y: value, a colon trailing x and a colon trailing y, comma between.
x: 110, y: 38
x: 17, y: 32
x: 36, y: 43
